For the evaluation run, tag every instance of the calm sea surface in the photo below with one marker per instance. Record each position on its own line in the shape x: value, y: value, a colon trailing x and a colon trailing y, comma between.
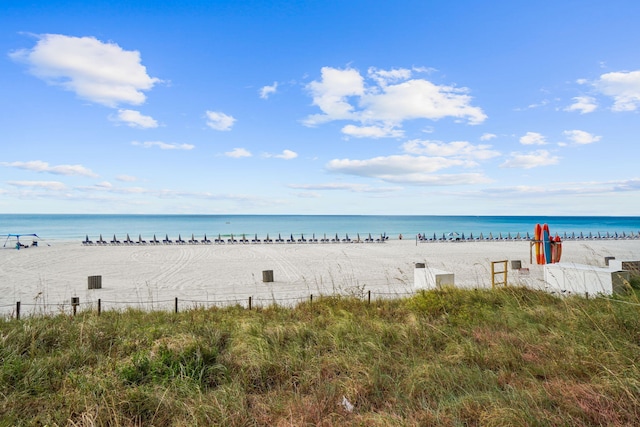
x: 76, y: 227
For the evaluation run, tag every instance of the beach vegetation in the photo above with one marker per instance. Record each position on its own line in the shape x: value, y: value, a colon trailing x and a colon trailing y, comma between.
x: 446, y: 357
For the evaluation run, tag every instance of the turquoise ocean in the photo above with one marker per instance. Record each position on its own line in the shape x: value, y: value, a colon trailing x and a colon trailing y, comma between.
x: 75, y: 227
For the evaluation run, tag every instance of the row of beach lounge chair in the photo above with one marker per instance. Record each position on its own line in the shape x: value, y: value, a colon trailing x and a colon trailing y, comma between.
x: 527, y: 236
x: 232, y: 240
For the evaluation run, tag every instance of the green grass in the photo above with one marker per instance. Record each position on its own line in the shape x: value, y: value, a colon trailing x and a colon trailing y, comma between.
x: 448, y: 358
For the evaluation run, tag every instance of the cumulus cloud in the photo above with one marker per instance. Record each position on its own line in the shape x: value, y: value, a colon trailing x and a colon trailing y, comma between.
x: 488, y: 136
x: 237, y: 153
x: 623, y: 87
x: 163, y: 145
x: 44, y: 185
x: 286, y: 155
x: 583, y: 105
x: 219, y: 121
x: 407, y: 169
x: 533, y: 138
x: 385, y: 100
x: 40, y: 166
x: 581, y: 137
x: 267, y: 91
x: 372, y: 131
x: 457, y: 149
x: 530, y: 160
x: 99, y: 72
x: 135, y: 119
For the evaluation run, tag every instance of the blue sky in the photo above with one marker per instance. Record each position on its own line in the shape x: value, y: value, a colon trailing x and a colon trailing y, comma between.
x: 320, y: 107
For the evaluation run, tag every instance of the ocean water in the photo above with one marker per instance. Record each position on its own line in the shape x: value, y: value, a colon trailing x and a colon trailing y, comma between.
x: 52, y: 227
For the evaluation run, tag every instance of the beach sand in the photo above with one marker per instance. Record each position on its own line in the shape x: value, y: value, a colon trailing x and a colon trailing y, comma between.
x: 45, y: 278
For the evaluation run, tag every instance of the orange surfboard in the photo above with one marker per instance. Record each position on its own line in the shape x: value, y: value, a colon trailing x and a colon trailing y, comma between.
x: 537, y: 237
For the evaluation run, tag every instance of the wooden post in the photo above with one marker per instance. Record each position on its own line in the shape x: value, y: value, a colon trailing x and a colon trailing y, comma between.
x: 18, y: 310
x: 311, y: 298
x: 75, y: 302
x: 249, y: 303
x: 176, y: 309
x: 369, y: 296
x: 99, y: 306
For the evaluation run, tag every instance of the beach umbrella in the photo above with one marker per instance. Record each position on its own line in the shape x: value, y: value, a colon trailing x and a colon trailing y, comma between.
x: 267, y: 239
x: 358, y: 237
x: 279, y: 238
x: 500, y: 235
x: 370, y: 239
x: 490, y: 236
x: 481, y: 236
x: 101, y: 238
x: 471, y: 236
x: 443, y: 237
x: 462, y: 236
x: 453, y: 234
x: 139, y: 238
x: 337, y: 238
x: 302, y: 237
x: 313, y: 238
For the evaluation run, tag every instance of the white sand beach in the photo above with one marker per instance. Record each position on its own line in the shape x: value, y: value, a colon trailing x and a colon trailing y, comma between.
x: 45, y: 278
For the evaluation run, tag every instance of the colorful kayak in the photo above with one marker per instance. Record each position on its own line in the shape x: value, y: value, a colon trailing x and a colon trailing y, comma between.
x: 558, y: 246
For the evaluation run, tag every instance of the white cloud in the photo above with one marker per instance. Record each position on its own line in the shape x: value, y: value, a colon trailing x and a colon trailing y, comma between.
x: 530, y: 160
x: 286, y: 155
x: 219, y: 121
x: 46, y: 185
x: 458, y: 149
x: 135, y: 119
x: 99, y: 72
x: 163, y: 145
x: 533, y: 138
x: 488, y: 136
x: 583, y: 104
x: 267, y: 91
x: 407, y: 169
x: 126, y: 178
x: 40, y: 166
x: 581, y: 137
x: 332, y: 92
x: 390, y: 99
x: 356, y: 188
x: 372, y: 131
x: 384, y: 77
x: 623, y: 87
x: 238, y: 153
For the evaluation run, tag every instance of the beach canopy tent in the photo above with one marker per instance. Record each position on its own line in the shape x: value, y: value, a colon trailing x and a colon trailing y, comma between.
x: 17, y: 236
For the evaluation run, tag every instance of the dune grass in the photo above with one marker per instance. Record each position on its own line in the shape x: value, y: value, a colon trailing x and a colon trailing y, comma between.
x: 448, y: 357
